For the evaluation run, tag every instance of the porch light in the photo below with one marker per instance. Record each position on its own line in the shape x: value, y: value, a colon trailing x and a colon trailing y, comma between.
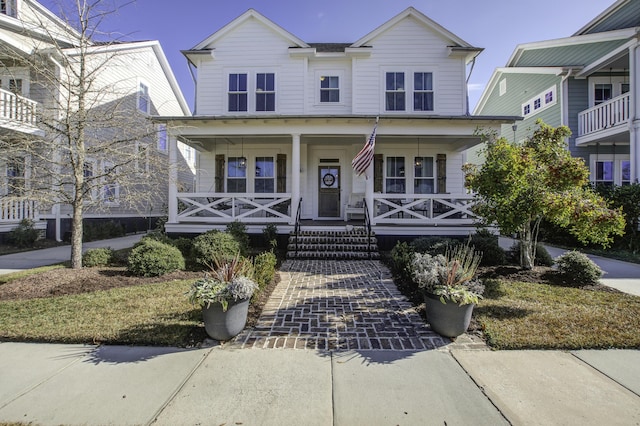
x: 418, y: 162
x: 242, y: 161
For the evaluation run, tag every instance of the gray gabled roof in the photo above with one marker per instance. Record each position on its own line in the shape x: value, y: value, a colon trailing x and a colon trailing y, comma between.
x: 621, y: 14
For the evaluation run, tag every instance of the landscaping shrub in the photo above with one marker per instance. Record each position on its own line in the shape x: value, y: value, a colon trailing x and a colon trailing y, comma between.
x: 239, y: 231
x: 97, y: 257
x: 93, y: 231
x: 270, y: 235
x: 152, y: 258
x: 214, y: 243
x: 24, y: 235
x: 577, y: 268
x: 432, y: 245
x: 487, y: 243
x: 401, y: 257
x: 543, y: 258
x: 264, y: 268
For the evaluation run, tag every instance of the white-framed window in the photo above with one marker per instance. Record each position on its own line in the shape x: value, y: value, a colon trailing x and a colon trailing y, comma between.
x: 540, y: 102
x: 8, y: 7
x: 602, y: 92
x: 15, y: 80
x: 89, y: 170
x: 503, y: 86
x: 144, y: 102
x: 395, y: 93
x: 141, y: 162
x: 423, y: 91
x: 110, y: 187
x: 265, y: 175
x: 610, y: 169
x: 237, y: 174
x: 329, y: 88
x: 163, y: 140
x: 265, y: 91
x: 238, y: 92
x: 395, y: 181
x: 424, y: 178
x: 15, y: 177
x: 604, y: 88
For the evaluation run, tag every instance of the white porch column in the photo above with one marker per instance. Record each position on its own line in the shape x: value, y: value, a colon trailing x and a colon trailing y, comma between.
x: 634, y: 109
x: 173, y: 180
x: 295, y: 176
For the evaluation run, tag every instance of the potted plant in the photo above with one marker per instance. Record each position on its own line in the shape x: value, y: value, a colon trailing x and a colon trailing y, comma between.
x: 224, y: 295
x: 450, y: 288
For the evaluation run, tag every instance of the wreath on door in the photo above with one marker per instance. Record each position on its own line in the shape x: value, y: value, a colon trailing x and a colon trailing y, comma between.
x: 328, y: 179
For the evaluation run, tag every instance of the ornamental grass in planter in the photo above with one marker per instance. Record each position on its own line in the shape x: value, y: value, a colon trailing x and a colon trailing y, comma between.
x: 450, y: 287
x: 224, y: 294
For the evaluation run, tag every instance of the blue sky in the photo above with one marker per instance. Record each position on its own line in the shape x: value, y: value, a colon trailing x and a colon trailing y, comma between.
x: 495, y: 25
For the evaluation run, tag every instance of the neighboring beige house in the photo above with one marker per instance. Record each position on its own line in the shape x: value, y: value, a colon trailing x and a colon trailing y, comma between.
x: 278, y: 121
x: 141, y: 80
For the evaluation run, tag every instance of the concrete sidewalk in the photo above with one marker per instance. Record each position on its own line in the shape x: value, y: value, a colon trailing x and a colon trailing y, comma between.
x: 32, y: 259
x: 75, y: 384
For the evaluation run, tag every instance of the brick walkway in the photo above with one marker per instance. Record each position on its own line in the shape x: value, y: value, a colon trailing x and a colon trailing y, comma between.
x: 338, y: 305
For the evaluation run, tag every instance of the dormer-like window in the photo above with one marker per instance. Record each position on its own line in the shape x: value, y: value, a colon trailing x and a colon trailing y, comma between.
x: 265, y: 92
x: 144, y: 103
x: 395, y: 92
x: 329, y: 88
x: 423, y: 91
x: 237, y: 92
x: 8, y: 7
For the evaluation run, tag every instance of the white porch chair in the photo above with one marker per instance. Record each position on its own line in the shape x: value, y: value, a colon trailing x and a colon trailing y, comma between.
x: 354, y: 206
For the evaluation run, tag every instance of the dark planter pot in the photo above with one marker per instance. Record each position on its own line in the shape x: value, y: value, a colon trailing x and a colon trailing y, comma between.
x: 447, y: 319
x: 221, y: 325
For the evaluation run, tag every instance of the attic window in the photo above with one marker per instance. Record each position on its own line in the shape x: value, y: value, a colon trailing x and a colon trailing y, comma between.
x: 503, y: 86
x: 8, y: 7
x: 540, y: 102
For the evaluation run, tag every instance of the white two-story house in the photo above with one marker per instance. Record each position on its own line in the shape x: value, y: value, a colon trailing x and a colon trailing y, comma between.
x: 278, y: 121
x: 37, y: 52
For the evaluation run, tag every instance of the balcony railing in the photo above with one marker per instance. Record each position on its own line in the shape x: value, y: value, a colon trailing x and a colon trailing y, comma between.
x: 224, y: 208
x: 604, y: 116
x: 17, y: 108
x: 16, y: 209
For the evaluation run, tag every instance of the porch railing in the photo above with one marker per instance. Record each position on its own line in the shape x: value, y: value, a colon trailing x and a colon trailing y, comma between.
x: 208, y: 207
x: 17, y: 108
x: 424, y: 209
x: 15, y: 209
x: 604, y: 116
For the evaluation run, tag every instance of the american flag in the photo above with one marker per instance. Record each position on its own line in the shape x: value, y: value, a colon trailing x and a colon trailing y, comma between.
x: 361, y: 161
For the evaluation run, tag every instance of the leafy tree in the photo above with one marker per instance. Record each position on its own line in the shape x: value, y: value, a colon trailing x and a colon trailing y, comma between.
x: 626, y: 197
x: 520, y: 184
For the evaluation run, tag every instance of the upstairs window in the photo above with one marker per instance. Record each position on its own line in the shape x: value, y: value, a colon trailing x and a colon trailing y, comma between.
x: 423, y: 91
x: 163, y: 141
x: 237, y: 92
x: 8, y: 7
x: 265, y: 176
x: 602, y: 93
x: 16, y: 177
x: 144, y: 103
x: 15, y: 86
x: 395, y: 179
x: 110, y: 188
x: 329, y: 89
x: 265, y: 92
x: 540, y: 102
x: 395, y: 91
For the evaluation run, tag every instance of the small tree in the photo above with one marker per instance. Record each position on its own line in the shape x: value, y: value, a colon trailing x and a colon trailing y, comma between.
x: 520, y: 184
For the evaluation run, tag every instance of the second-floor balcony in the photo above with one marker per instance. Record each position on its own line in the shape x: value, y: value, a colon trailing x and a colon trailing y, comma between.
x: 604, y: 119
x: 17, y: 112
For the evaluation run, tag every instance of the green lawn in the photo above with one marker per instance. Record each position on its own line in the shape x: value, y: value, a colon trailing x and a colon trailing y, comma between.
x: 518, y: 315
x: 153, y: 314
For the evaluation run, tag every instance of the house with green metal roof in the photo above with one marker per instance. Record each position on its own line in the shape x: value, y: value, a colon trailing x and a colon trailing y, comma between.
x: 589, y: 81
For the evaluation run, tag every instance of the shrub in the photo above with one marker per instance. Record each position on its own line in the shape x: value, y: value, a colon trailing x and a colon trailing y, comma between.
x: 270, y: 235
x: 24, y: 235
x: 239, y: 231
x: 264, y: 268
x: 185, y: 245
x: 92, y: 231
x: 543, y: 258
x: 487, y: 243
x: 97, y: 257
x: 214, y: 243
x: 433, y: 245
x: 401, y: 256
x: 576, y: 268
x: 151, y: 258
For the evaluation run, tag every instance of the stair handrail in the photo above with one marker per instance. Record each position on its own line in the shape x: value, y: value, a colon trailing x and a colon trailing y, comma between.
x: 367, y: 225
x: 296, y: 226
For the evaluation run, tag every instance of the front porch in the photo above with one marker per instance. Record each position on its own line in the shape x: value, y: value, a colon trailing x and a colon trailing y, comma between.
x: 607, y: 121
x: 14, y: 210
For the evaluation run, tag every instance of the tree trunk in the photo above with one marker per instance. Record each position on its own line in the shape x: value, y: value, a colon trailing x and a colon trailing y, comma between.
x: 76, y: 236
x: 527, y: 245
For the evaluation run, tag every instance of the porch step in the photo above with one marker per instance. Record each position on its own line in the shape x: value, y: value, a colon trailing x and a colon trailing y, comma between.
x: 332, y: 244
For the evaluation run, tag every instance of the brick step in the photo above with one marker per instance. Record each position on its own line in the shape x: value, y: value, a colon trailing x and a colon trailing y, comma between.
x: 332, y: 247
x: 333, y: 255
x: 330, y: 239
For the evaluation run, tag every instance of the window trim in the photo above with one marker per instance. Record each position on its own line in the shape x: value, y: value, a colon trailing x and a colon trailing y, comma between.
x: 237, y: 92
x: 161, y: 129
x: 274, y: 91
x: 431, y: 178
x: 252, y: 76
x: 257, y: 178
x: 539, y: 102
x: 141, y: 95
x: 617, y: 160
x: 402, y: 173
x: 107, y: 184
x: 409, y: 89
x: 228, y: 177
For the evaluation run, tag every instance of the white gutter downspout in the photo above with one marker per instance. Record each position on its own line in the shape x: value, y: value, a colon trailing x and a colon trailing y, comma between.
x: 466, y: 83
x: 564, y: 105
x: 195, y: 87
x: 56, y: 206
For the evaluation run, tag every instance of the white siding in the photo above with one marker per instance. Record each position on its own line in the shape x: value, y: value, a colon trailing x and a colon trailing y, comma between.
x: 409, y: 47
x: 340, y: 67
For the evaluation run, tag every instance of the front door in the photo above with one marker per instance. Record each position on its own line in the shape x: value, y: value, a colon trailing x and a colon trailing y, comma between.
x: 329, y: 191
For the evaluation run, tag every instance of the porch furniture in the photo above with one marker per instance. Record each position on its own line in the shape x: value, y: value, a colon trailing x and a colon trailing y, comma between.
x: 354, y: 206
